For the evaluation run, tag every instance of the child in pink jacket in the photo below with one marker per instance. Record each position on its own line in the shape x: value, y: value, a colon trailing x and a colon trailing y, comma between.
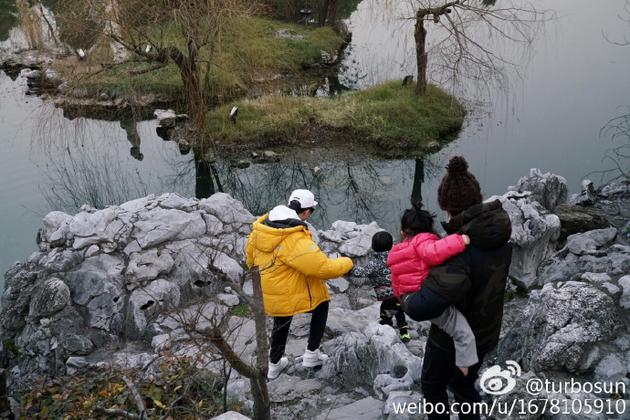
x: 410, y: 262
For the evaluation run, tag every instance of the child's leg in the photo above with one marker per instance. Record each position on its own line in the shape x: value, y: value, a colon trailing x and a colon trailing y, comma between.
x: 424, y: 305
x: 454, y: 323
x: 386, y: 306
x: 401, y: 321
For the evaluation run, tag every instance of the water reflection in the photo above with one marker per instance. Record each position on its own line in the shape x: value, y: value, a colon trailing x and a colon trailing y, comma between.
x: 87, y: 162
x: 84, y: 167
x: 204, y: 179
x: 418, y: 180
x: 382, y: 46
x: 129, y: 125
x: 93, y: 170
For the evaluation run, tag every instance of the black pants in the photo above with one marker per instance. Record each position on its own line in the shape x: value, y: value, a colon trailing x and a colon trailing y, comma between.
x: 281, y: 325
x: 392, y: 305
x: 439, y: 373
x: 424, y: 305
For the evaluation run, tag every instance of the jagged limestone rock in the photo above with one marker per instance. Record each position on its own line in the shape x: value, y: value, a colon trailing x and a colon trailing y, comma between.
x: 550, y: 190
x: 560, y: 324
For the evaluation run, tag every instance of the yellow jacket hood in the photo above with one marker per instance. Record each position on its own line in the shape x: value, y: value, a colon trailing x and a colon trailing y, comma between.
x: 266, y: 238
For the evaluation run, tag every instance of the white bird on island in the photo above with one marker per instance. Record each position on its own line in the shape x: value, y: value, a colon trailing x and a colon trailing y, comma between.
x: 147, y: 49
x: 81, y: 54
x: 233, y: 114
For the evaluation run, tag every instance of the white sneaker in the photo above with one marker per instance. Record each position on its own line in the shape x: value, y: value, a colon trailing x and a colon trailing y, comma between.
x: 276, y: 368
x: 313, y: 358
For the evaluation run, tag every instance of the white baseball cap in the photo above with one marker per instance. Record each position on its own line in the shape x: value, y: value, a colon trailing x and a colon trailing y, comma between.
x: 304, y: 197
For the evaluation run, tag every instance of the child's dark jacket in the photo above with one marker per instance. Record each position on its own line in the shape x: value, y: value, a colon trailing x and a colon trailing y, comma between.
x: 377, y: 275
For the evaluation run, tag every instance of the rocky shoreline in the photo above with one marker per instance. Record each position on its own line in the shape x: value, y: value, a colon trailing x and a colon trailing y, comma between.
x: 128, y: 285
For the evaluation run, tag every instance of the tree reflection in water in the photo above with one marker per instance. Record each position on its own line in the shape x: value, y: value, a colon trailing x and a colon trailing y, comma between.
x: 349, y: 186
x: 418, y: 180
x: 88, y: 163
x: 129, y: 125
x: 88, y: 175
x: 85, y: 163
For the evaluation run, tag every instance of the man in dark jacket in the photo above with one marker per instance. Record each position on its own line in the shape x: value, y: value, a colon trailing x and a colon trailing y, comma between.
x: 473, y: 281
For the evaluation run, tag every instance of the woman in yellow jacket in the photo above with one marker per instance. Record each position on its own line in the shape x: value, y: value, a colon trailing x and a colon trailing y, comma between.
x: 293, y: 273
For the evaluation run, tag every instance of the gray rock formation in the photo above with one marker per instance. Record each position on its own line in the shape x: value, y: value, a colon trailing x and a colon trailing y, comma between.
x: 105, y: 274
x: 548, y: 189
x: 166, y: 117
x: 535, y: 233
x: 53, y: 296
x: 571, y: 263
x: 589, y: 243
x: 375, y: 357
x: 348, y: 238
x: 588, y: 195
x: 120, y: 287
x: 577, y: 325
x: 561, y: 324
x: 231, y: 415
x: 612, y: 200
x: 624, y: 282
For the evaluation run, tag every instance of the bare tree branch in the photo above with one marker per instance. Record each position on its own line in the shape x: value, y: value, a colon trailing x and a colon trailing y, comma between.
x: 136, y: 396
x: 463, y: 47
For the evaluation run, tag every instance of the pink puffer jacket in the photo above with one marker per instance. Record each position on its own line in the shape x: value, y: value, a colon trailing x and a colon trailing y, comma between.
x: 411, y: 260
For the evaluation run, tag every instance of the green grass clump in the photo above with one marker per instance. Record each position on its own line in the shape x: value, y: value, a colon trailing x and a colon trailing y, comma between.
x: 388, y: 115
x: 118, y: 81
x: 241, y: 310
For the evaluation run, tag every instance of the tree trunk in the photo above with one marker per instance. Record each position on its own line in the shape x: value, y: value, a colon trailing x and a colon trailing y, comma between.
x: 323, y: 11
x: 331, y: 16
x: 327, y: 12
x: 420, y: 35
x: 196, y: 94
x: 260, y: 393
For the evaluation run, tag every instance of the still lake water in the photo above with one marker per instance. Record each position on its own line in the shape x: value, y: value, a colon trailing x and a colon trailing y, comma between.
x: 574, y: 82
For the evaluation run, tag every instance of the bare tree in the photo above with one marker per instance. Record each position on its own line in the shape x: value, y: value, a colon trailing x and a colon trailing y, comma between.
x: 617, y: 129
x: 186, y: 33
x: 462, y: 47
x: 213, y: 335
x: 257, y: 374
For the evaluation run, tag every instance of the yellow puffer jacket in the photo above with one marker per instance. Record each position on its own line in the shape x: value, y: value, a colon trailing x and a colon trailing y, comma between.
x: 293, y: 269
